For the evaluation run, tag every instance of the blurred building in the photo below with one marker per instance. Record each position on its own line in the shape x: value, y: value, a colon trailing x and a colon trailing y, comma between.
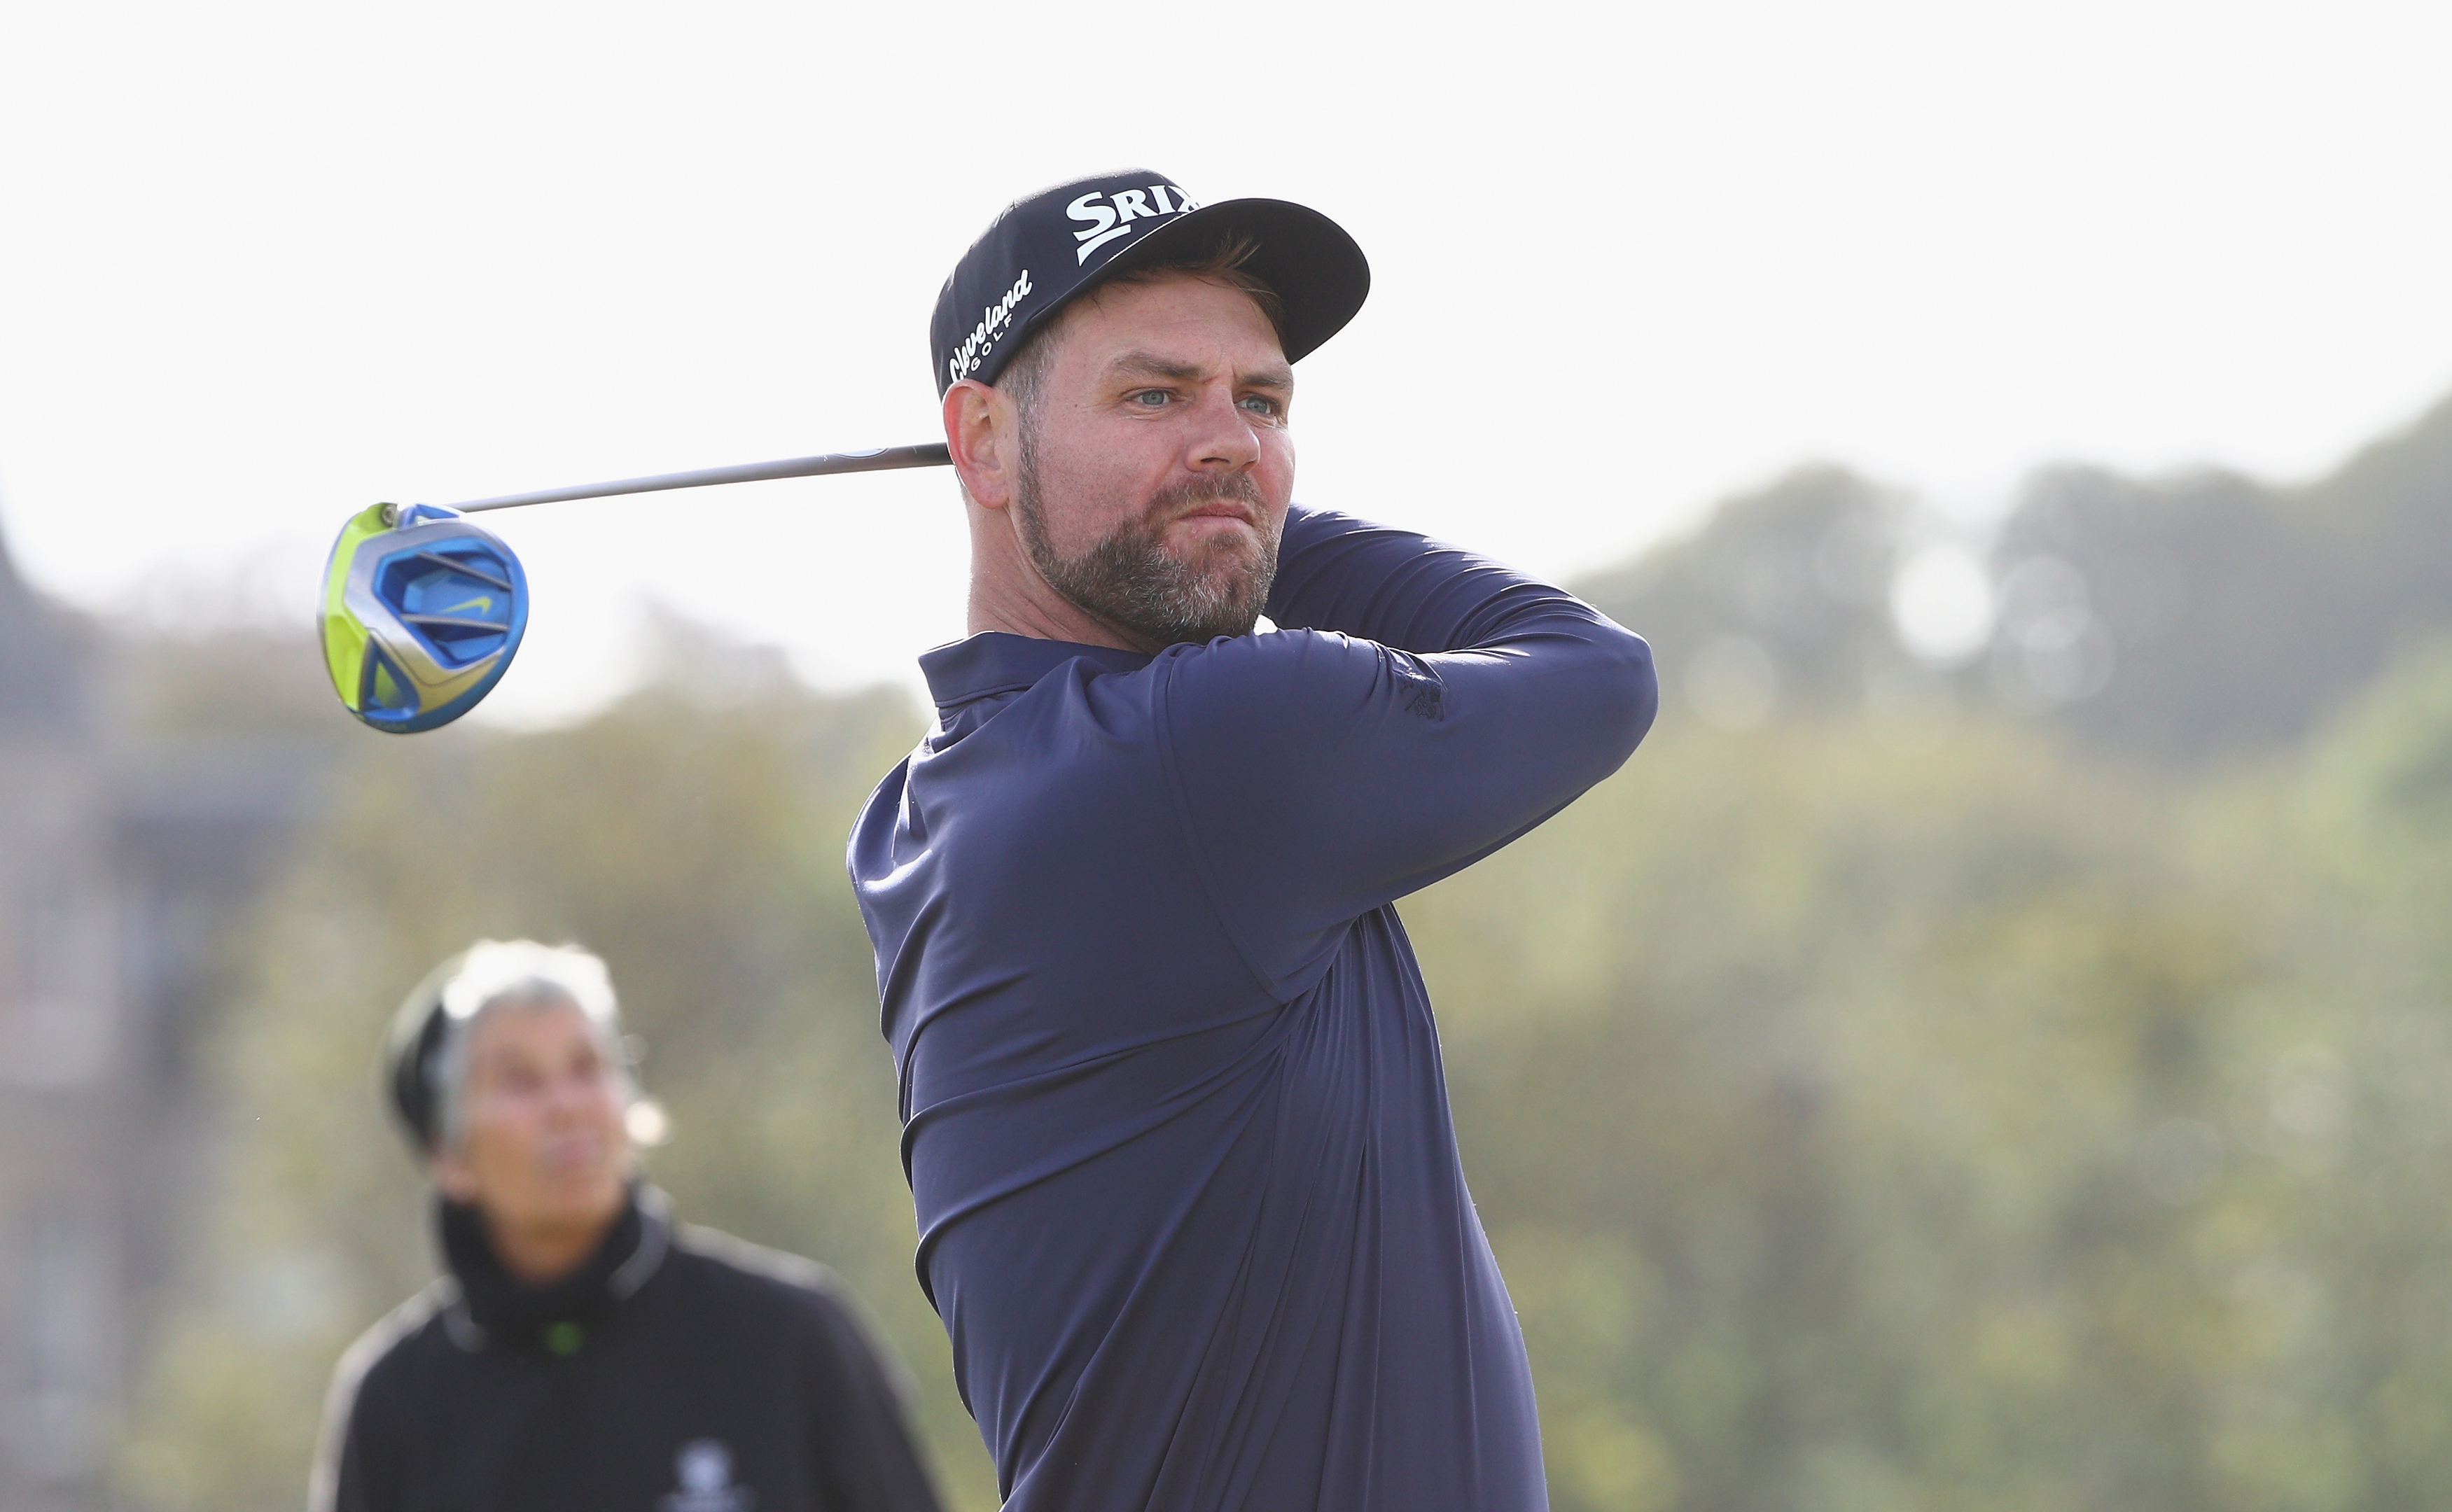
x: 128, y: 857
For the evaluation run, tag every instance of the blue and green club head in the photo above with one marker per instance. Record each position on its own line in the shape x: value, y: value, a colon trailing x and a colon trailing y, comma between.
x: 421, y: 612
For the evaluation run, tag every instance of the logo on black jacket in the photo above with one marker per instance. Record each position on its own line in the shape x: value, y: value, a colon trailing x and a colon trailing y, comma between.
x: 704, y: 1467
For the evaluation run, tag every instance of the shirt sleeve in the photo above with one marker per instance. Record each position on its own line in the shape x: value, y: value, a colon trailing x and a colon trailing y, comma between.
x: 1421, y: 707
x: 865, y: 1453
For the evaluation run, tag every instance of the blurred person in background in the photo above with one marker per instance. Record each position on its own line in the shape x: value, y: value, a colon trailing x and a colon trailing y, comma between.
x: 583, y: 1352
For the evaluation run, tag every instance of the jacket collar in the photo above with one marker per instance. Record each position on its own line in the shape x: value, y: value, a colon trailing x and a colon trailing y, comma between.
x: 558, y: 1315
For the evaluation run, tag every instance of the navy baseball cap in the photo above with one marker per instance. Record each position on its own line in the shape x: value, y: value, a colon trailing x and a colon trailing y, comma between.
x: 1045, y: 250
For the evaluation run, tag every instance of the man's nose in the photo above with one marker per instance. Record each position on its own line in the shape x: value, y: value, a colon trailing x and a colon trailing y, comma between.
x: 567, y: 1095
x: 1223, y: 435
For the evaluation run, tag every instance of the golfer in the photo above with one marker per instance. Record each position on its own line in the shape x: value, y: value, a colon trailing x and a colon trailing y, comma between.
x: 585, y: 1353
x: 1188, y: 1192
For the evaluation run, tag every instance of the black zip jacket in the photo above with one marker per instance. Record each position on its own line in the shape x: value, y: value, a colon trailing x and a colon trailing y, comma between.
x: 675, y: 1371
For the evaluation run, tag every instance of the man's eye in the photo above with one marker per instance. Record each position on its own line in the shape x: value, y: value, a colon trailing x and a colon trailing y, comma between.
x: 1149, y: 398
x: 1260, y: 404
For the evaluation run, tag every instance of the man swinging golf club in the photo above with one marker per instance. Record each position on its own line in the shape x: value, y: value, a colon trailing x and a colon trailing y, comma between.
x: 1188, y: 1195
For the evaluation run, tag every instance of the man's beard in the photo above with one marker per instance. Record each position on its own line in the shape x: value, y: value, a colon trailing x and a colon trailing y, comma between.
x: 1129, y: 583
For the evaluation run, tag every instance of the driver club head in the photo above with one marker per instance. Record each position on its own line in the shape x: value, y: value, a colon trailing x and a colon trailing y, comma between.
x: 422, y: 613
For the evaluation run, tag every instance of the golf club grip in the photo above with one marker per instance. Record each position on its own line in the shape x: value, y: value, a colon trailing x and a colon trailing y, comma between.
x: 884, y: 459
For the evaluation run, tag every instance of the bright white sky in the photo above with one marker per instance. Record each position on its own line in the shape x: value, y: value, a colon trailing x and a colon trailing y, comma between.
x: 262, y: 264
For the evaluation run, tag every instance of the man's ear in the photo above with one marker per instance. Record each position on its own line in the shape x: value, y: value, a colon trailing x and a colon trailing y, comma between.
x: 452, y: 1176
x: 983, y: 432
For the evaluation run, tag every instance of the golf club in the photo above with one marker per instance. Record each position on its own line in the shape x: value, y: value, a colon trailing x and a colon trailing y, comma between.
x: 423, y: 608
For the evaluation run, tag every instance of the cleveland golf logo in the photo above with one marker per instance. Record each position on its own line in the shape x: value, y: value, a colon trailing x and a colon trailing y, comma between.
x: 1124, y: 207
x: 993, y: 321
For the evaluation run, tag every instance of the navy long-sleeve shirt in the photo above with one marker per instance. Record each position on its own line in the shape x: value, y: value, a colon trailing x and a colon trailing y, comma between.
x: 1188, y: 1194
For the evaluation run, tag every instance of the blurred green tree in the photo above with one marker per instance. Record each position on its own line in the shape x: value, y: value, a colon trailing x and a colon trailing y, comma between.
x: 1803, y: 1077
x: 1778, y: 604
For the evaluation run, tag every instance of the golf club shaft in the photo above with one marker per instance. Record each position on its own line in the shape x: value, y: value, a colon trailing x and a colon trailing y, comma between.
x: 884, y: 459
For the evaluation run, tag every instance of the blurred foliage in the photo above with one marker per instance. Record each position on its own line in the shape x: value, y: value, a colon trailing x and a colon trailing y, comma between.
x: 1796, y: 574
x: 2179, y: 621
x: 2238, y: 615
x: 1902, y: 1115
x: 699, y: 846
x: 1808, y: 1128
x: 1881, y: 1101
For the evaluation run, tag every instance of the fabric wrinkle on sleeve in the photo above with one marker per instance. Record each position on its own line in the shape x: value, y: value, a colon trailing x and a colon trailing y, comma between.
x: 1427, y: 707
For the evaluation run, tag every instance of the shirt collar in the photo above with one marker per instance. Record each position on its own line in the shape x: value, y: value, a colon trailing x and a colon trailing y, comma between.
x: 992, y: 662
x: 556, y: 1314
